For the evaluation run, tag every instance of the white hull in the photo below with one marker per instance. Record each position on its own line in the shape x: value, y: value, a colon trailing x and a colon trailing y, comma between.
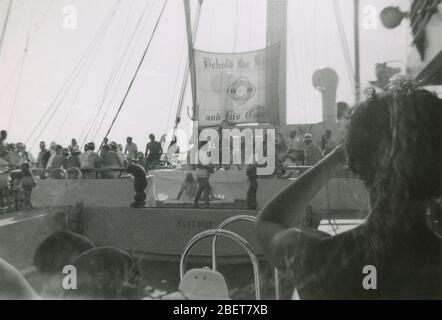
x: 162, y: 233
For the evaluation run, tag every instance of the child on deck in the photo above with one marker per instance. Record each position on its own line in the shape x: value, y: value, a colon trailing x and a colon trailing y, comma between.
x: 4, y: 179
x: 189, y: 188
x: 27, y: 184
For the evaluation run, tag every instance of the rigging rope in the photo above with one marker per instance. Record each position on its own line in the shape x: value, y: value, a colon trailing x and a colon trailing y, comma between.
x: 123, y: 73
x: 91, y: 59
x: 78, y: 73
x: 82, y: 83
x: 74, y: 74
x: 138, y: 69
x: 32, y: 40
x: 22, y: 66
x: 344, y: 44
x: 5, y: 25
x: 116, y: 66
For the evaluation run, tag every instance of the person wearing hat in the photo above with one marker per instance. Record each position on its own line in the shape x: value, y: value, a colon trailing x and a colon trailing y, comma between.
x: 313, y: 153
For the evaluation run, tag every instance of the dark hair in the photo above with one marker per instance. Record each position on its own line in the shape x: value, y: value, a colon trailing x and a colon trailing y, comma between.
x: 90, y: 146
x: 394, y: 144
x: 106, y: 273
x: 59, y: 250
x: 106, y: 147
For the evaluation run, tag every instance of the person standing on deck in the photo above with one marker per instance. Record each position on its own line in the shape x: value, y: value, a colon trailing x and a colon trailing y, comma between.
x: 153, y: 152
x: 89, y: 160
x: 114, y: 148
x: 13, y: 156
x: 313, y: 153
x: 3, y: 137
x: 27, y: 184
x: 131, y: 149
x: 295, y: 147
x: 74, y: 145
x: 71, y: 162
x: 203, y: 174
x: 43, y: 156
x: 104, y: 143
x: 110, y: 160
x: 329, y: 143
x: 52, y: 154
x: 252, y: 178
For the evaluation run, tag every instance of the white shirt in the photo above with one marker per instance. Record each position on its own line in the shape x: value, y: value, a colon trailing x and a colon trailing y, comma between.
x: 294, y: 144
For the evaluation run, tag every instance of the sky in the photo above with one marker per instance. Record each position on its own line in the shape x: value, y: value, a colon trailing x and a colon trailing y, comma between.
x: 42, y: 51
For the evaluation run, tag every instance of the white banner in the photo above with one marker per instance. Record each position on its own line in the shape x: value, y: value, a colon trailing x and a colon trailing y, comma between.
x: 237, y: 87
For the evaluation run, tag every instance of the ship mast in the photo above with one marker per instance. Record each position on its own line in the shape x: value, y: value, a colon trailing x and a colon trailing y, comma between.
x: 277, y: 33
x: 191, y: 58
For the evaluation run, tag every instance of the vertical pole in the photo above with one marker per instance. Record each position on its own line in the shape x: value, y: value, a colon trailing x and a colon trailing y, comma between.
x: 357, y: 51
x: 277, y: 33
x: 191, y: 58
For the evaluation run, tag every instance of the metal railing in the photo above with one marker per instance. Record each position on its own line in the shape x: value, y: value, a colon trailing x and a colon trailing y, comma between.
x: 79, y: 176
x: 230, y: 235
x: 226, y: 223
x: 64, y: 176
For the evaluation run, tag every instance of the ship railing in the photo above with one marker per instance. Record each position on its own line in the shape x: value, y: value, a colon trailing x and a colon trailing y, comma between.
x: 58, y: 174
x: 96, y: 173
x: 232, y: 236
x: 229, y: 221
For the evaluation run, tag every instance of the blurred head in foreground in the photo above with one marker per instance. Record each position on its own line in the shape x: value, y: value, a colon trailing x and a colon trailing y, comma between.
x: 53, y: 255
x: 106, y: 274
x: 394, y: 145
x: 13, y: 286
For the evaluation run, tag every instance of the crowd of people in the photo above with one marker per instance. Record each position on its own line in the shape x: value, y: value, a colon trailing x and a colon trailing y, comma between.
x: 18, y: 165
x: 109, y: 155
x: 305, y: 152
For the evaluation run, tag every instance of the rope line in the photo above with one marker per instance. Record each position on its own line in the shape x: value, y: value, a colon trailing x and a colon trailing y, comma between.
x: 138, y: 70
x: 121, y: 61
x: 74, y: 74
x: 125, y: 68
